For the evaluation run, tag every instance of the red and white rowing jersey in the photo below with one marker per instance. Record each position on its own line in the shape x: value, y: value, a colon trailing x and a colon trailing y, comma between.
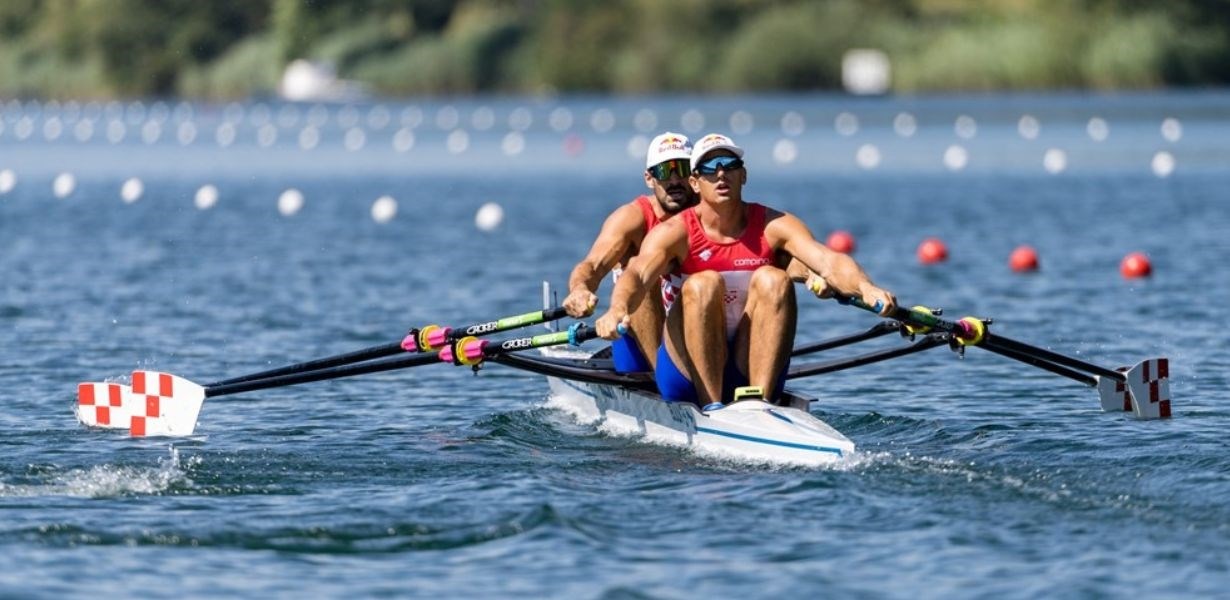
x: 670, y: 283
x: 734, y: 261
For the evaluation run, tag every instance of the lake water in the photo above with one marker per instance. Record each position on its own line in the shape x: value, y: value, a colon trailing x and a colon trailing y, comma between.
x: 975, y: 476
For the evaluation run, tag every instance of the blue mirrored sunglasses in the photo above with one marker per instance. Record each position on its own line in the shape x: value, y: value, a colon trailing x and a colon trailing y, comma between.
x: 725, y: 163
x: 663, y: 171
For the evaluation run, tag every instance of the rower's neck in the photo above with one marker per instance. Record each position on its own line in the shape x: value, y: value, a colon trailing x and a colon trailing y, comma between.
x: 723, y: 221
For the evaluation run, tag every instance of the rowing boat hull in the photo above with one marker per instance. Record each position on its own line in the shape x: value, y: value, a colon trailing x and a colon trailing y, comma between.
x: 749, y: 430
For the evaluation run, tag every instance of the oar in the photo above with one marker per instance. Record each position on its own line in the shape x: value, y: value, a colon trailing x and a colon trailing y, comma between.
x: 1143, y: 389
x: 168, y: 405
x: 423, y: 339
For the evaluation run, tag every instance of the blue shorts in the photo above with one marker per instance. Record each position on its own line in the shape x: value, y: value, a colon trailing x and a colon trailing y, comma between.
x: 628, y: 356
x: 675, y: 387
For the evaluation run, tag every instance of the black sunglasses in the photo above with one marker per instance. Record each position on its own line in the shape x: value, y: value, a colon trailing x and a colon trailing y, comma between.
x: 725, y: 163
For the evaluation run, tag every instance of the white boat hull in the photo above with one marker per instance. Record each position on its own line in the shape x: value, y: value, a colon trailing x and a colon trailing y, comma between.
x: 749, y: 430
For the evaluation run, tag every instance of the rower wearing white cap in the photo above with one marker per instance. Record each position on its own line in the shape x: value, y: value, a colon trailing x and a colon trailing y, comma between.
x: 666, y: 174
x: 732, y: 256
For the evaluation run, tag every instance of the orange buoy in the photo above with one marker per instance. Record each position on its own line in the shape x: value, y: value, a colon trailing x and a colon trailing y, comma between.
x: 1023, y: 260
x: 932, y: 251
x: 841, y: 241
x: 1135, y: 265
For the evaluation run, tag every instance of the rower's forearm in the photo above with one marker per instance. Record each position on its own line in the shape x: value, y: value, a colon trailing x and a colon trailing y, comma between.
x: 846, y: 276
x: 627, y: 294
x: 584, y: 276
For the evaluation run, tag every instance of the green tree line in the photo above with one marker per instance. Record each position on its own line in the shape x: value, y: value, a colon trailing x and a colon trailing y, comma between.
x: 237, y: 48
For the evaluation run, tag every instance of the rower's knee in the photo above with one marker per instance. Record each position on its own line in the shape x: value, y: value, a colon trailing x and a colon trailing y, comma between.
x: 703, y: 288
x: 771, y: 284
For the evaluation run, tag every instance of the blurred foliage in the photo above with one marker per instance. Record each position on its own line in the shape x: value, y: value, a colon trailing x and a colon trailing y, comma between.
x: 235, y: 48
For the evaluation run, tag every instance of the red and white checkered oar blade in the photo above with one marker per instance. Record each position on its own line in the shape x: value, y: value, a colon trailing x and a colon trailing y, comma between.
x: 1149, y: 384
x: 1114, y: 394
x: 164, y: 404
x: 105, y: 405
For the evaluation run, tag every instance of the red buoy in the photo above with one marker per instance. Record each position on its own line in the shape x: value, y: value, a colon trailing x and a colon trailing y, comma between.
x: 1135, y: 265
x: 1023, y: 260
x: 932, y: 251
x: 841, y: 241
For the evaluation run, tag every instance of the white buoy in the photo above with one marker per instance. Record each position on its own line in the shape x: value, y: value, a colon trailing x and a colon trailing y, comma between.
x: 1172, y: 130
x: 692, y: 120
x: 1098, y: 129
x: 955, y: 158
x: 645, y: 120
x: 448, y: 117
x: 1029, y: 127
x: 348, y: 116
x: 131, y: 190
x: 868, y: 156
x: 267, y: 135
x: 206, y: 197
x: 602, y: 120
x: 116, y: 131
x: 793, y: 124
x: 1055, y: 161
x: 905, y: 125
x: 151, y: 131
x: 309, y: 137
x: 411, y: 117
x: 846, y: 124
x: 742, y: 122
x: 785, y: 151
x: 8, y: 181
x: 560, y: 120
x: 636, y: 146
x: 483, y: 118
x: 403, y: 140
x: 513, y: 144
x: 458, y: 141
x: 965, y: 127
x: 225, y: 135
x: 354, y: 139
x: 63, y: 185
x: 83, y: 130
x: 520, y: 119
x: 186, y: 133
x: 378, y: 117
x: 290, y: 202
x: 52, y: 128
x: 384, y: 209
x: 489, y: 216
x: 1163, y: 164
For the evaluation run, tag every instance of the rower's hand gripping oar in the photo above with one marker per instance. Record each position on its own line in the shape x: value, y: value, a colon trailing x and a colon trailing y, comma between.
x: 1144, y: 389
x: 111, y: 405
x: 162, y: 404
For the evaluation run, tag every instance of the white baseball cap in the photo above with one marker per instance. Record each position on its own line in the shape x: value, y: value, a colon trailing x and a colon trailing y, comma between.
x: 668, y: 146
x: 711, y: 142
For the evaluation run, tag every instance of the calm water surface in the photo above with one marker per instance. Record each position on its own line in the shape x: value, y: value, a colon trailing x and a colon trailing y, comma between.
x: 975, y: 476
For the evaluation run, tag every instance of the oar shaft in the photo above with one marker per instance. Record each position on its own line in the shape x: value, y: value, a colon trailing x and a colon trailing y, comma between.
x: 383, y: 350
x: 332, y: 361
x: 1042, y: 364
x: 930, y: 341
x: 997, y: 341
x: 991, y: 340
x: 399, y: 362
x: 466, y: 351
x: 879, y: 329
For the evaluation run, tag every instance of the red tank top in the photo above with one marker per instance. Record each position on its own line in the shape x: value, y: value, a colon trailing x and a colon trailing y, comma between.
x: 734, y: 261
x: 651, y: 217
x: 669, y: 283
